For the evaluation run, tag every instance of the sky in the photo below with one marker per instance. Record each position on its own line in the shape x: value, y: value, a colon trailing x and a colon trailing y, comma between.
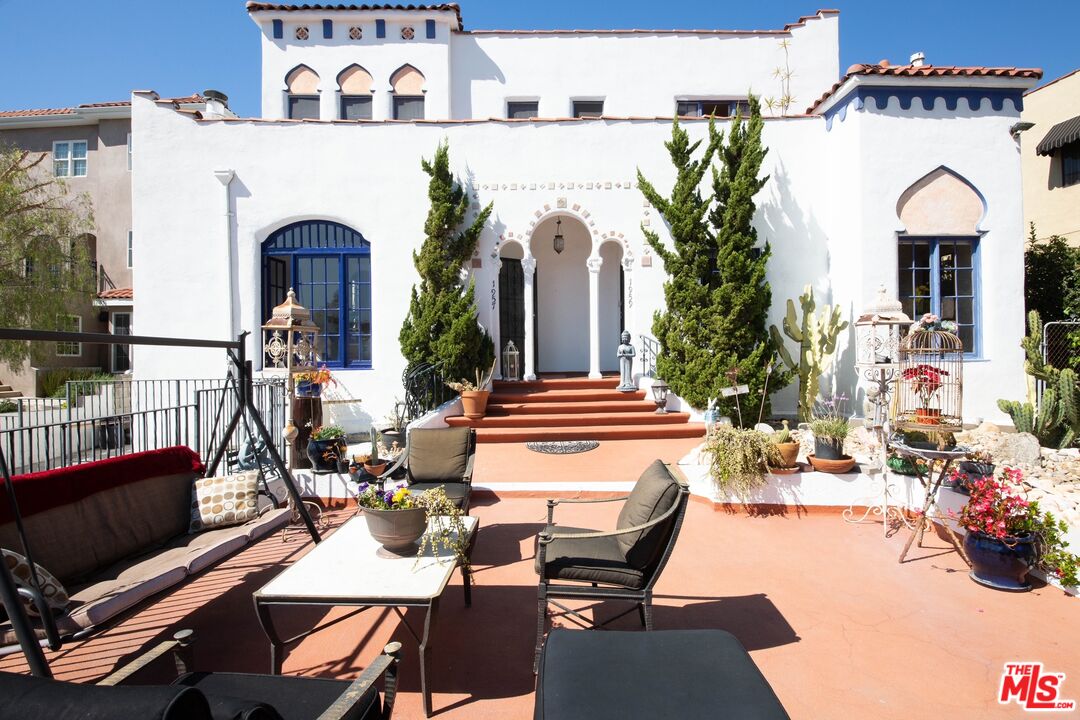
x: 60, y: 53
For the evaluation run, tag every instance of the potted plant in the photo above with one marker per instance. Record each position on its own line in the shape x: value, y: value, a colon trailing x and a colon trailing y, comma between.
x: 395, y: 430
x: 830, y: 428
x: 374, y: 465
x: 902, y: 465
x: 326, y: 447
x: 474, y: 397
x: 1007, y: 535
x: 979, y: 464
x: 926, y: 380
x: 740, y: 459
x: 310, y: 383
x: 788, y: 447
x: 397, y: 517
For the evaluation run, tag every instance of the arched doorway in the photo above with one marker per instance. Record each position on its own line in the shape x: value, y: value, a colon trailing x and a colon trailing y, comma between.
x: 610, y: 307
x: 512, y: 305
x: 562, y: 295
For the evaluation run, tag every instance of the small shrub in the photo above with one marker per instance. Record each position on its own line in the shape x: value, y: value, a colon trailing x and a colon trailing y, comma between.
x: 740, y: 459
x: 328, y: 432
x: 7, y: 406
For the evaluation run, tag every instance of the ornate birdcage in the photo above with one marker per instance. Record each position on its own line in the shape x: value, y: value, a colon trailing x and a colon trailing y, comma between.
x: 930, y: 378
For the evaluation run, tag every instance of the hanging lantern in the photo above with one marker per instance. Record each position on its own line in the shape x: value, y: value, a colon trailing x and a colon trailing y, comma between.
x: 879, y: 331
x: 929, y: 380
x: 559, y: 242
x: 289, y: 337
x: 510, y: 361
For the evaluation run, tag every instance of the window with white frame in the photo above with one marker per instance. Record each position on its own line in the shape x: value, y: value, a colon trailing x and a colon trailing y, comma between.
x: 588, y: 108
x: 129, y: 253
x: 522, y: 109
x: 69, y: 158
x: 70, y: 323
x: 712, y: 108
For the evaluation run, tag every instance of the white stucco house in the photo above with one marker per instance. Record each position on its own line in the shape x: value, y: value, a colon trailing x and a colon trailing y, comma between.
x: 906, y: 176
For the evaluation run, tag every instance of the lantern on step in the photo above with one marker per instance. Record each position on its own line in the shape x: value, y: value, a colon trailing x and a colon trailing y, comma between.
x: 290, y: 339
x: 878, y: 334
x: 660, y: 392
x: 930, y: 378
x: 511, y: 362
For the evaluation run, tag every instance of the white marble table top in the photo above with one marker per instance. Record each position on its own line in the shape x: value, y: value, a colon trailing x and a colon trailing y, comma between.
x: 344, y: 567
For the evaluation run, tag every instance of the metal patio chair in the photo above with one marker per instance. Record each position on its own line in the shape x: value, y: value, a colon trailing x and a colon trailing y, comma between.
x: 439, y: 457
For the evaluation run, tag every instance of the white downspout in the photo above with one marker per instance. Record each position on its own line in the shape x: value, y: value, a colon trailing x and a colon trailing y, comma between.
x: 225, y: 177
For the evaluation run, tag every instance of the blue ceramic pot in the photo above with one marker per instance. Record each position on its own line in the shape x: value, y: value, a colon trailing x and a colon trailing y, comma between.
x: 998, y: 564
x: 325, y: 454
x: 308, y: 389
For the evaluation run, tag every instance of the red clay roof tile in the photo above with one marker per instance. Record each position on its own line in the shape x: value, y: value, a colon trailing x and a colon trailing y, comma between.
x: 883, y: 68
x: 185, y: 100
x: 117, y: 294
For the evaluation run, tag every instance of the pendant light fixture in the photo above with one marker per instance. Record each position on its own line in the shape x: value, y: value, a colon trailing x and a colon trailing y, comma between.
x: 559, y: 241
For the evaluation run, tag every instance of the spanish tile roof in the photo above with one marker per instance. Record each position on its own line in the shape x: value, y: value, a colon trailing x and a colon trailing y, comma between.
x: 185, y: 100
x: 117, y: 294
x: 254, y: 6
x: 923, y: 71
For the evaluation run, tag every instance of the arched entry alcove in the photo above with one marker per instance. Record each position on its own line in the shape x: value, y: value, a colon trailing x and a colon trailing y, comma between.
x: 562, y: 295
x: 512, y: 305
x: 610, y: 307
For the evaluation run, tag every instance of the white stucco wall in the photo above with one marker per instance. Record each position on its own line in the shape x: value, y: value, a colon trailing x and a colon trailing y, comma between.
x: 828, y: 209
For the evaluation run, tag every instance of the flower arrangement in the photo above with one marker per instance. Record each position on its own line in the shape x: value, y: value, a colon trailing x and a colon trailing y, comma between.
x: 396, y: 498
x: 927, y: 381
x: 321, y: 376
x: 740, y: 459
x: 997, y: 509
x: 931, y: 322
x: 328, y: 432
x: 449, y: 534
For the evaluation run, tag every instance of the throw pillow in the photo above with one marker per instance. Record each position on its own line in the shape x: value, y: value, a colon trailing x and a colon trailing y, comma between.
x: 223, y: 501
x: 55, y: 594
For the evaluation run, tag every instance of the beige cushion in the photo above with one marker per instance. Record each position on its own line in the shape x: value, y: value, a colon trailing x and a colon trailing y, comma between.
x: 75, y: 541
x: 54, y: 593
x: 223, y: 501
x: 120, y: 587
x: 651, y: 497
x: 438, y: 455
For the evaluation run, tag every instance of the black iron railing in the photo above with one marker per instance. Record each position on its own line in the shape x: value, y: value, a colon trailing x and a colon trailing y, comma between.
x: 650, y: 348
x: 425, y: 389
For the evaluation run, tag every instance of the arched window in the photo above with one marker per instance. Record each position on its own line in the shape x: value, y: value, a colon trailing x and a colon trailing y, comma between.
x: 355, y: 85
x: 408, y: 87
x: 329, y: 266
x: 302, y: 86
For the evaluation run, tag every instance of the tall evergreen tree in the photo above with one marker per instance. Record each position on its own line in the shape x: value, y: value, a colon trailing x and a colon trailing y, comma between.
x: 441, y: 326
x: 685, y: 329
x: 742, y: 296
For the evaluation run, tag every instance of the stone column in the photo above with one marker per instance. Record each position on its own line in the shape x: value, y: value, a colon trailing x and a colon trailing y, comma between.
x: 528, y: 267
x: 594, y: 264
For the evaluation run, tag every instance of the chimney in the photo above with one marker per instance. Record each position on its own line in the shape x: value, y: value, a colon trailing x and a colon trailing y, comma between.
x: 217, y: 105
x: 918, y: 59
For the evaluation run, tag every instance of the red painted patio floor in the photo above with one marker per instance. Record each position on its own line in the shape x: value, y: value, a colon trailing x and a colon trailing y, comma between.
x: 834, y: 623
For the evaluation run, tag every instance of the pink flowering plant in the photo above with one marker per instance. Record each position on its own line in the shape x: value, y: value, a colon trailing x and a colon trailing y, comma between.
x: 997, y: 508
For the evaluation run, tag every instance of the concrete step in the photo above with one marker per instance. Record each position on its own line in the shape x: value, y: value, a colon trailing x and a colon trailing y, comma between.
x: 592, y: 432
x: 566, y: 383
x: 9, y: 393
x: 550, y: 408
x: 498, y: 420
x: 563, y: 396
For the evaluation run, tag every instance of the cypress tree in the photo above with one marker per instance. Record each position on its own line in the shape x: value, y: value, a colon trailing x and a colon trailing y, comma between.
x: 441, y: 325
x: 684, y: 328
x: 741, y: 295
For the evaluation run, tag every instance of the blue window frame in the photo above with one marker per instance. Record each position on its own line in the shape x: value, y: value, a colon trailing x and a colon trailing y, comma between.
x: 279, y: 29
x: 430, y: 26
x: 329, y: 266
x: 380, y: 28
x: 940, y: 275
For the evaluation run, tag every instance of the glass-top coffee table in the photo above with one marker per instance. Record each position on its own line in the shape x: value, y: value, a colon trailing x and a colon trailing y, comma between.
x: 344, y: 571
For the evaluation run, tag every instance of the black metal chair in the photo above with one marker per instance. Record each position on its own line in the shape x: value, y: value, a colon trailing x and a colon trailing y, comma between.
x: 204, y: 695
x: 685, y: 674
x: 438, y: 457
x: 622, y: 564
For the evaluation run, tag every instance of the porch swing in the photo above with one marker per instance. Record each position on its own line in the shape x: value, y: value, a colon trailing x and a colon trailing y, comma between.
x: 239, y: 384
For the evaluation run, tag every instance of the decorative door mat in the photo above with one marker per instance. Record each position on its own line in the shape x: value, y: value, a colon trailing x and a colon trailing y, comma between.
x: 563, y: 447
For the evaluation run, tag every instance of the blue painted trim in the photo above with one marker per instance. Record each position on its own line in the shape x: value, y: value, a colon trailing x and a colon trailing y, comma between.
x: 328, y: 29
x: 430, y: 29
x: 380, y: 28
x: 927, y: 96
x: 279, y: 29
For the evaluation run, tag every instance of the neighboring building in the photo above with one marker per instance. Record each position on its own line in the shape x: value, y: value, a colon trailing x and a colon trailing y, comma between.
x: 90, y: 147
x: 902, y: 176
x: 1051, y: 158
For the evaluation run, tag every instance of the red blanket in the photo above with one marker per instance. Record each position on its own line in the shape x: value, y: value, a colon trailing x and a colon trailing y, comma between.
x: 41, y: 491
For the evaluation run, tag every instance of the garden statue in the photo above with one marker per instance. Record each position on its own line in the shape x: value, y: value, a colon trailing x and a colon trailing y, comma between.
x: 626, y: 362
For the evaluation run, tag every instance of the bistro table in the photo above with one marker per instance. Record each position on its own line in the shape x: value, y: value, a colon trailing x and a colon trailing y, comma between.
x: 344, y: 571
x: 931, y: 484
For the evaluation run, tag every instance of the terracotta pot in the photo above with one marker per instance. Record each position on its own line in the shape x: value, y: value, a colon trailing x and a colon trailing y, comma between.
x: 998, y: 564
x: 397, y: 530
x: 474, y: 403
x: 789, y: 451
x: 928, y: 416
x: 834, y: 467
x: 375, y: 470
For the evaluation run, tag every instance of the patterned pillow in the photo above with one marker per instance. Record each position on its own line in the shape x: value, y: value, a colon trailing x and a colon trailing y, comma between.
x: 55, y: 594
x: 223, y: 501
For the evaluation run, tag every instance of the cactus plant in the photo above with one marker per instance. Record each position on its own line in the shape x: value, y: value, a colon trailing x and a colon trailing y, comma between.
x: 1055, y: 418
x: 817, y: 345
x: 374, y: 447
